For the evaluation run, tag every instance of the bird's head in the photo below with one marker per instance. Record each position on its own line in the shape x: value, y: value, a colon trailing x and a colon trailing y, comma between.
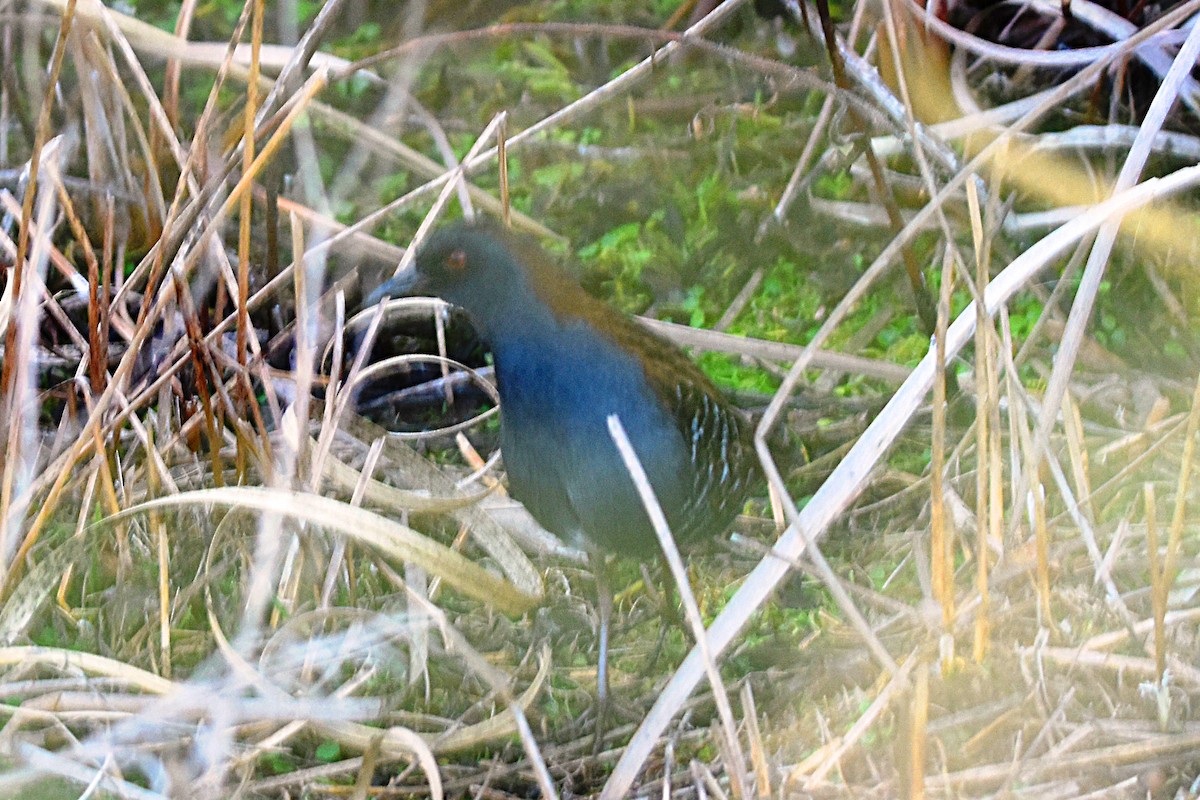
x: 470, y: 265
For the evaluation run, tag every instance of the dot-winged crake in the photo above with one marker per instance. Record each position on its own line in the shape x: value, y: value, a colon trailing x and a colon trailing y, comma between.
x: 564, y: 362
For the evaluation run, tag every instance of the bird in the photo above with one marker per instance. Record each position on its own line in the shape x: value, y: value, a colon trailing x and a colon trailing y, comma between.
x: 564, y: 362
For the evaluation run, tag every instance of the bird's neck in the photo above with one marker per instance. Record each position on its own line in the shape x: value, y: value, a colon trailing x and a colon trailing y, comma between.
x: 518, y: 315
x: 510, y: 316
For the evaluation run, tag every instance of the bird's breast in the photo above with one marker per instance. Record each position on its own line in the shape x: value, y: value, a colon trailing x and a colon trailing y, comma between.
x: 555, y: 400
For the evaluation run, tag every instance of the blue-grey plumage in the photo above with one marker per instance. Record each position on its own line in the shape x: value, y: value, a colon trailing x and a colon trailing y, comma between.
x: 564, y: 362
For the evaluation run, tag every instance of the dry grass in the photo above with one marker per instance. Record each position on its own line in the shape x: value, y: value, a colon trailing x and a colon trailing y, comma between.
x: 211, y: 584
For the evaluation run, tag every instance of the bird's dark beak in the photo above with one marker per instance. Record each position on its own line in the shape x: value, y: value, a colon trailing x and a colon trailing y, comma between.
x: 406, y: 283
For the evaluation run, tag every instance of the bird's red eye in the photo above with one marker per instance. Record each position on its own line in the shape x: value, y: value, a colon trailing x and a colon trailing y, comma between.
x: 456, y: 261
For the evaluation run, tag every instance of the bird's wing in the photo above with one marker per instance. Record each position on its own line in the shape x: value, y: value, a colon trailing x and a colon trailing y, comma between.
x: 720, y: 456
x: 719, y: 462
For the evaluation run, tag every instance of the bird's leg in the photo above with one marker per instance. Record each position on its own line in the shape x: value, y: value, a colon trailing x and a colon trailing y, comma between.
x: 670, y: 610
x: 671, y: 598
x: 604, y: 603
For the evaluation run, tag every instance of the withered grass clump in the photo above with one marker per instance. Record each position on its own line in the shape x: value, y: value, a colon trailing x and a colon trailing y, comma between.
x: 973, y: 574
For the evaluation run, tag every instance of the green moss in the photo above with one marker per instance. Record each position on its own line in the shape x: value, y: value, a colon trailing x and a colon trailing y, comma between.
x: 729, y: 372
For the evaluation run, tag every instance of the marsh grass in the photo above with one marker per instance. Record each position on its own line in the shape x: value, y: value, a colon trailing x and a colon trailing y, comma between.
x: 973, y: 575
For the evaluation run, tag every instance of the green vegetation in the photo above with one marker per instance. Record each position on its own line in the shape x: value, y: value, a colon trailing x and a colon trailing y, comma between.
x: 664, y: 197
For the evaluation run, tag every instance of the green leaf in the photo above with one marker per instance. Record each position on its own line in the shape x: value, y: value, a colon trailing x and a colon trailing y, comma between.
x: 328, y: 752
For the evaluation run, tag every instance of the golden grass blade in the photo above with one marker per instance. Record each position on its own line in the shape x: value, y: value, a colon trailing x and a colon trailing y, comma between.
x: 502, y: 724
x: 365, y: 527
x: 419, y: 473
x: 61, y: 658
